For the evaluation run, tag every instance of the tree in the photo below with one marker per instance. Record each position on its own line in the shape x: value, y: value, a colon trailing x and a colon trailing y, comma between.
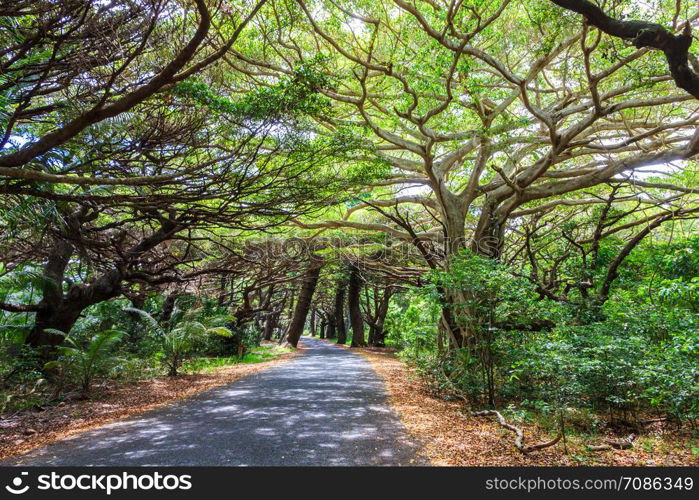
x: 354, y: 290
x: 480, y: 133
x: 303, y: 303
x: 237, y: 168
x: 338, y: 329
x: 376, y: 309
x: 87, y: 41
x: 644, y: 34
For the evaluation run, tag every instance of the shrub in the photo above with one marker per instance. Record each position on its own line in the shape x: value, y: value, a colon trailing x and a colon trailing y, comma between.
x: 181, y: 336
x: 85, y: 362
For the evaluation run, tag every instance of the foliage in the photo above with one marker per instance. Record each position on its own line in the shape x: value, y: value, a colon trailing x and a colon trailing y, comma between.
x: 85, y: 362
x: 641, y: 357
x: 292, y: 97
x: 21, y: 383
x: 181, y: 335
x: 519, y: 185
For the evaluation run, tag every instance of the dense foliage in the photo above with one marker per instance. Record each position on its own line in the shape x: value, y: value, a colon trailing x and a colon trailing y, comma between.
x: 640, y: 356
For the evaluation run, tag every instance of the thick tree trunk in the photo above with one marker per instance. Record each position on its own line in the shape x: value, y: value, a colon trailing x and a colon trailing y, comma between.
x: 270, y: 325
x: 377, y: 336
x: 60, y: 311
x: 62, y: 314
x: 454, y: 212
x: 489, y: 235
x: 338, y: 319
x: 487, y: 241
x: 303, y: 302
x: 61, y: 318
x: 355, y: 313
x: 377, y: 333
x: 645, y: 34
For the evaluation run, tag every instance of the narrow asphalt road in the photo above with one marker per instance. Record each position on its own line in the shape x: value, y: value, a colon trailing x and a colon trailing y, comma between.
x: 324, y: 407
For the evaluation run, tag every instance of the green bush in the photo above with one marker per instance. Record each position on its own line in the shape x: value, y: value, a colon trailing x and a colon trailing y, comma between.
x: 637, y: 357
x: 83, y: 362
x: 182, y: 335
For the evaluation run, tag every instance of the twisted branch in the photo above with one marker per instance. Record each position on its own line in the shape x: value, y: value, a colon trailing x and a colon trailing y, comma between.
x: 519, y: 433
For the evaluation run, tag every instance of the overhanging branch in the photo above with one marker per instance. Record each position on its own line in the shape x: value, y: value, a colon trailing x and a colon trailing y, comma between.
x: 644, y: 34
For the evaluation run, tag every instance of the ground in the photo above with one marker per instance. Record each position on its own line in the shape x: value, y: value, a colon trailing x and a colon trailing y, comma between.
x: 24, y: 431
x: 323, y: 407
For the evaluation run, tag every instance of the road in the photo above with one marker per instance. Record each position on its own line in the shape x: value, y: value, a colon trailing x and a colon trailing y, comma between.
x: 326, y: 407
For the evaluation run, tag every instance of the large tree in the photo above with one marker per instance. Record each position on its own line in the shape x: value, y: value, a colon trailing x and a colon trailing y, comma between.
x: 477, y: 125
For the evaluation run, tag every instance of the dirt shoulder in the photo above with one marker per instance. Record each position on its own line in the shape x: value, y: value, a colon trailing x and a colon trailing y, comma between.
x: 452, y: 438
x: 27, y: 430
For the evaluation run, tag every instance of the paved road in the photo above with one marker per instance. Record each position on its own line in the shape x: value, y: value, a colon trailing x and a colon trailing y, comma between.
x: 325, y: 407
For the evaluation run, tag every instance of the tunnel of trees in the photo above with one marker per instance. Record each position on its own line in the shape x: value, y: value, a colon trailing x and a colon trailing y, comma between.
x: 505, y: 193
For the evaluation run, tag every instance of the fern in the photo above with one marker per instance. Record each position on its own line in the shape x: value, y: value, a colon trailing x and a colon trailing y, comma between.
x: 89, y: 360
x: 180, y: 336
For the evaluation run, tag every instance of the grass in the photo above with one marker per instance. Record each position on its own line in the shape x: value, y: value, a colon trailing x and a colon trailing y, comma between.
x: 333, y: 340
x: 257, y: 355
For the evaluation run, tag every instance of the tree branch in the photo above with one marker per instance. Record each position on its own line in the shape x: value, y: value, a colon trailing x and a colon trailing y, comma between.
x: 18, y: 307
x: 644, y: 34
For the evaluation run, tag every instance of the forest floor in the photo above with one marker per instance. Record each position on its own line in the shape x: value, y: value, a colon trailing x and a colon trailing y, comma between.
x: 451, y: 436
x: 24, y: 431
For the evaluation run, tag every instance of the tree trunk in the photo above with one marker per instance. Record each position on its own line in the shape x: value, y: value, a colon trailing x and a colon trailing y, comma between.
x: 323, y: 326
x: 453, y: 212
x: 292, y: 298
x: 377, y: 333
x: 303, y: 302
x: 168, y: 306
x: 338, y: 319
x: 59, y: 311
x: 378, y: 338
x: 223, y: 292
x: 355, y: 313
x: 331, y: 331
x: 61, y: 318
x: 313, y: 322
x: 270, y: 325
